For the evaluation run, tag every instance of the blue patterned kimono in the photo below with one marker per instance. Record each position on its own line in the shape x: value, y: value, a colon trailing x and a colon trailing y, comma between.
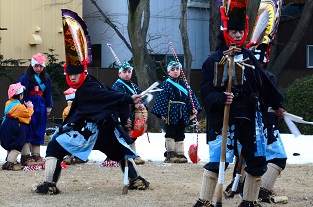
x: 130, y: 88
x: 174, y: 103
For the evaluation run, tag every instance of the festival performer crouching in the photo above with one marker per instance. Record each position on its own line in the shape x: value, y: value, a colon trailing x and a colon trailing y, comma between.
x: 91, y: 123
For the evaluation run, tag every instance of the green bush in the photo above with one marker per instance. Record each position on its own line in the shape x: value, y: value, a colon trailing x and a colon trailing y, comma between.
x: 299, y: 98
x: 4, y: 71
x: 56, y: 71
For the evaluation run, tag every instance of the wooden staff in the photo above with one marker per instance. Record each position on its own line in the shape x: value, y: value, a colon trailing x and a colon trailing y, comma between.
x: 125, y: 188
x: 231, y: 54
x: 236, y: 182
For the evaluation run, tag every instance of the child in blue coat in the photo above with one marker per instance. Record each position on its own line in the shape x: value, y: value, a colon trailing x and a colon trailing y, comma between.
x: 13, y: 128
x: 126, y: 86
x: 174, y: 106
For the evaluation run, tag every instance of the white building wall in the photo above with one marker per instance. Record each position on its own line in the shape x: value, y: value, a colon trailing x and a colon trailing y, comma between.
x: 164, y: 27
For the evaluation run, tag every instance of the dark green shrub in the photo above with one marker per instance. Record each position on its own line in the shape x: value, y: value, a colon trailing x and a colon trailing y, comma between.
x: 299, y: 99
x: 56, y: 71
x: 6, y: 72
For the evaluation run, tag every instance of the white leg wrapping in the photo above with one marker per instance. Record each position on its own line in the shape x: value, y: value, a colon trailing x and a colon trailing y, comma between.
x: 270, y: 176
x: 50, y: 166
x: 251, y: 187
x: 12, y: 156
x: 35, y: 149
x: 179, y: 148
x: 209, y: 181
x: 169, y: 144
x: 26, y: 149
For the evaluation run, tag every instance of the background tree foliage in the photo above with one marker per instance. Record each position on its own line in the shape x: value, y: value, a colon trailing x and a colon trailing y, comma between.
x: 56, y: 73
x: 4, y: 71
x: 299, y: 98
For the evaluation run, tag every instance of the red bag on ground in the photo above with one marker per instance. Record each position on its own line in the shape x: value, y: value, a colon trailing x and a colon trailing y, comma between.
x: 193, y: 153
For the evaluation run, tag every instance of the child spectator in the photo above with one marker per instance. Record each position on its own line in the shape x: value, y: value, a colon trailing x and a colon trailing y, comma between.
x: 38, y: 90
x: 174, y: 106
x: 14, y: 124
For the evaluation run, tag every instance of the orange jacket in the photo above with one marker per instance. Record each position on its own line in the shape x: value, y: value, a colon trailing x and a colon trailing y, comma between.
x: 20, y: 112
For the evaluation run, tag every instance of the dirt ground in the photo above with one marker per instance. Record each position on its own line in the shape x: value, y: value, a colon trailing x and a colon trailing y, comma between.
x: 172, y: 185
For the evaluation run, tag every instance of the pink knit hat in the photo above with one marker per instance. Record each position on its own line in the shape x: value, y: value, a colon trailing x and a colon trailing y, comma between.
x: 15, y: 89
x: 38, y: 59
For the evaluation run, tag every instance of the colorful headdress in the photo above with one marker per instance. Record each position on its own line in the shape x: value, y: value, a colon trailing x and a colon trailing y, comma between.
x: 172, y: 64
x: 265, y: 27
x: 77, y: 43
x: 125, y: 66
x: 233, y: 14
x: 15, y: 89
x: 38, y: 59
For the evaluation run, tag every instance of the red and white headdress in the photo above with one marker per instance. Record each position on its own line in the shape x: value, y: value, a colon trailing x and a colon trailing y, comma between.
x: 233, y: 14
x: 38, y: 59
x: 15, y: 89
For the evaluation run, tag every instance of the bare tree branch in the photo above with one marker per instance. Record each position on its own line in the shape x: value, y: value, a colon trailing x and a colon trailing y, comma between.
x: 294, y: 41
x: 111, y: 24
x: 185, y: 38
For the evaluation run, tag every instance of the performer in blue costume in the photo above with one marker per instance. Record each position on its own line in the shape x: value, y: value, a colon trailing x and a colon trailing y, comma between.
x: 276, y: 159
x: 173, y: 105
x: 38, y: 91
x: 92, y: 121
x: 139, y: 114
x: 276, y: 156
x: 248, y: 101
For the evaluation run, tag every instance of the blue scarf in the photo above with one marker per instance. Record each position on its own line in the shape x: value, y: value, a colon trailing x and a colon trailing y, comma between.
x: 129, y: 88
x: 9, y: 107
x: 178, y: 86
x: 41, y: 85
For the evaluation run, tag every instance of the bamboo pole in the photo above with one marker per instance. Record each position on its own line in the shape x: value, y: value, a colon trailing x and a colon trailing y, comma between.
x: 220, y: 181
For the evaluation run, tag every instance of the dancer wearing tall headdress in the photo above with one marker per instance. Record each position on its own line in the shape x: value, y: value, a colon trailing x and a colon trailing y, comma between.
x: 262, y: 38
x: 246, y: 92
x: 96, y: 117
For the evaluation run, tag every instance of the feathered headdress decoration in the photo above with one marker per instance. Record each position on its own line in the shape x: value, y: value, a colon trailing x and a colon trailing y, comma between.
x: 265, y: 27
x: 76, y: 39
x: 233, y: 14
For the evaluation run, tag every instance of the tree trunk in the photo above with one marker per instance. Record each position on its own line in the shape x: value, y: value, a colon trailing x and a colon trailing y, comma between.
x: 185, y: 39
x: 215, y: 24
x: 138, y: 23
x: 294, y: 41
